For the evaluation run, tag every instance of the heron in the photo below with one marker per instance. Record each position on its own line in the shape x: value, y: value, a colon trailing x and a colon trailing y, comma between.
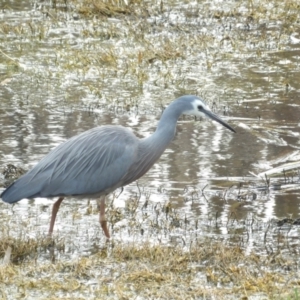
x: 98, y: 161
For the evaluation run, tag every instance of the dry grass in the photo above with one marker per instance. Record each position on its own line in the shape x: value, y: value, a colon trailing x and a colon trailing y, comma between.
x: 104, y: 8
x: 206, y: 269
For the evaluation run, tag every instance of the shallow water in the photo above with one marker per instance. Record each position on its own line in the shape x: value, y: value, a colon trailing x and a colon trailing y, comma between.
x: 59, y: 88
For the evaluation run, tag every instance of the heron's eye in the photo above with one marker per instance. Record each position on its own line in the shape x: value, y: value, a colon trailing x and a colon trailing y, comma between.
x: 200, y: 107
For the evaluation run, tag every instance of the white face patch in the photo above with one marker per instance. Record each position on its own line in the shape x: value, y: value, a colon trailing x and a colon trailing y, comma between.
x: 196, y: 111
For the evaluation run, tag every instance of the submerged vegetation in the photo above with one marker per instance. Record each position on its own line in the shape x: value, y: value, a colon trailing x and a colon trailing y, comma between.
x: 138, y: 48
x: 161, y: 255
x: 190, y: 265
x: 132, y: 57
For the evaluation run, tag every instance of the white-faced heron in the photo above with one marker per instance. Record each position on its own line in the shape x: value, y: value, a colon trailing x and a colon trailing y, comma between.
x: 100, y: 160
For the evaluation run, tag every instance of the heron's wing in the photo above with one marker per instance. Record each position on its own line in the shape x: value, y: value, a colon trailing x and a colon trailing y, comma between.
x: 90, y: 163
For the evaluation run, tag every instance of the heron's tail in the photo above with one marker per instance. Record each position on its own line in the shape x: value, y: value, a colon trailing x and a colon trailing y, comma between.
x: 10, y: 195
x: 20, y: 189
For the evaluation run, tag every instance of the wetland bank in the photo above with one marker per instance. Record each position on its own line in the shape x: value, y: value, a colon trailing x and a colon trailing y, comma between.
x: 205, y: 222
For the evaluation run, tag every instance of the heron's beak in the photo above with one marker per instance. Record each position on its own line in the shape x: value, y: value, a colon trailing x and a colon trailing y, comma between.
x: 215, y: 117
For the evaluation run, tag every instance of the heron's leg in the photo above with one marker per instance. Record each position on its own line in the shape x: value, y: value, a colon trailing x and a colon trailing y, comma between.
x: 55, y: 209
x: 102, y: 218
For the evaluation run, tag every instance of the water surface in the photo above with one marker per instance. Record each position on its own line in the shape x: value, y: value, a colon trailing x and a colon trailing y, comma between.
x: 63, y: 74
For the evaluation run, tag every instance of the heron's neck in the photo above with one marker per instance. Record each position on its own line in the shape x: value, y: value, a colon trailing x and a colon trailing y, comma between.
x: 152, y: 147
x: 166, y: 128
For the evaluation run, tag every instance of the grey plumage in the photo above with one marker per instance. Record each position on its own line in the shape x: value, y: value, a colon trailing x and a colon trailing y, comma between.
x: 102, y: 159
x: 87, y: 164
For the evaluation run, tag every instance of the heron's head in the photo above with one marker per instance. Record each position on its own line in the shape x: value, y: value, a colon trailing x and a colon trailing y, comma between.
x: 197, y: 107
